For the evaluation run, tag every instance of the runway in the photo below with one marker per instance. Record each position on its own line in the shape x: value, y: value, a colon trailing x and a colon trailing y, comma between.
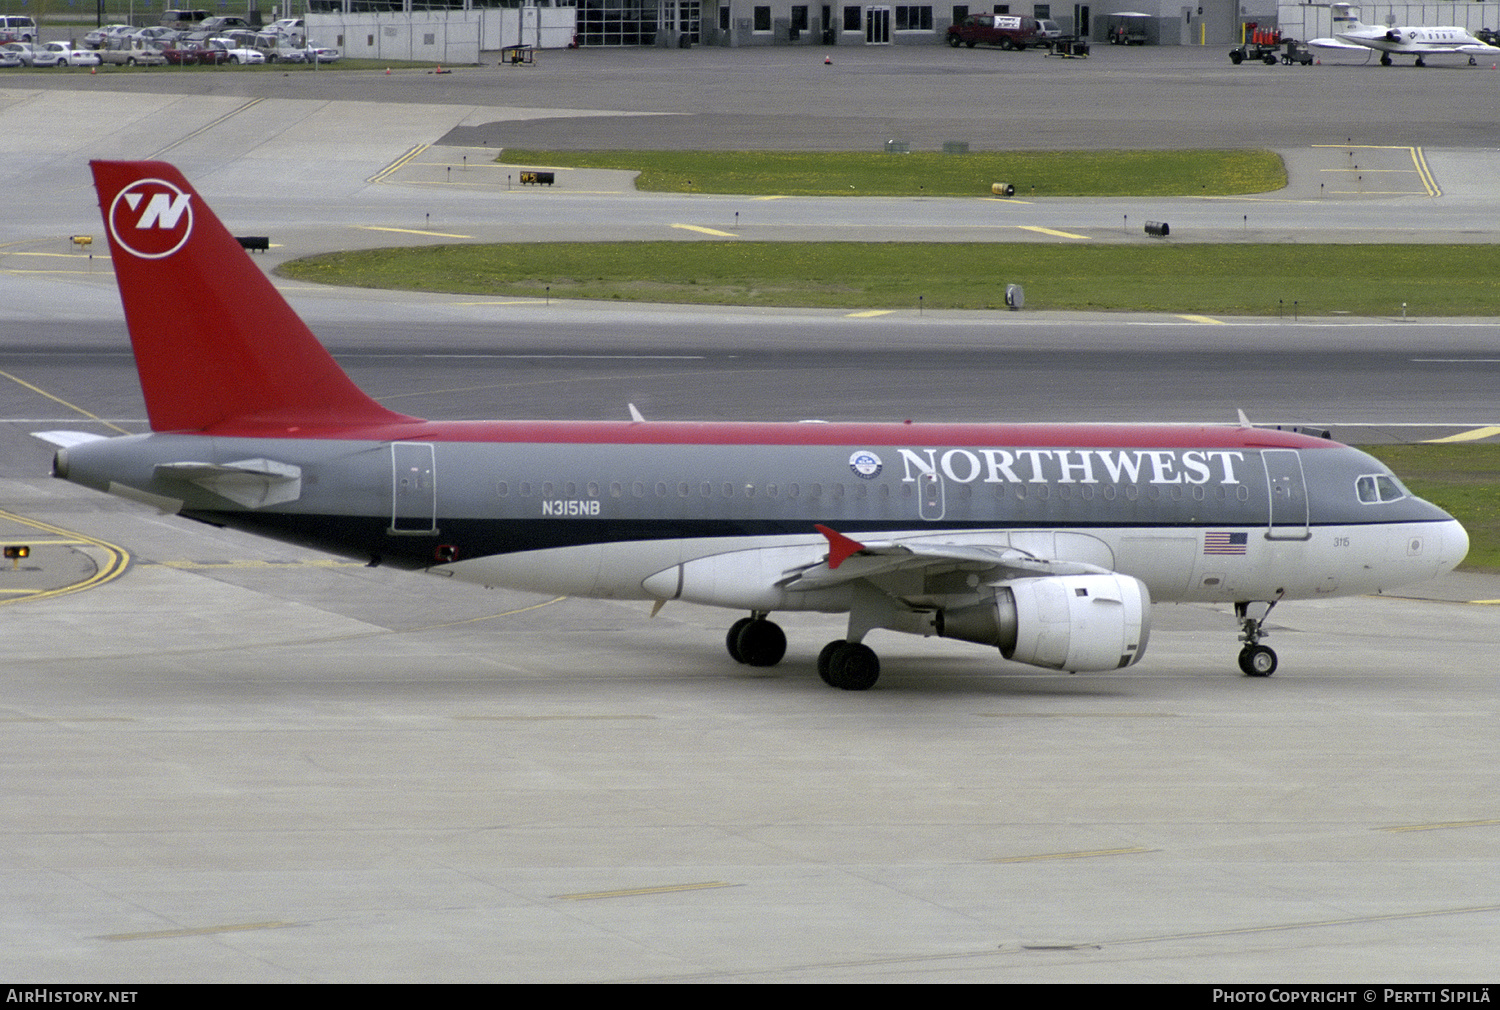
x: 230, y: 760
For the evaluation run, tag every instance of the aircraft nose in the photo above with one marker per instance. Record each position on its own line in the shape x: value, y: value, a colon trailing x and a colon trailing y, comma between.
x: 1455, y: 545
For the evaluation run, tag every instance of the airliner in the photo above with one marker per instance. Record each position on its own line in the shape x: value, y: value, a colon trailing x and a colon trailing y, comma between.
x: 1352, y: 36
x: 1048, y: 542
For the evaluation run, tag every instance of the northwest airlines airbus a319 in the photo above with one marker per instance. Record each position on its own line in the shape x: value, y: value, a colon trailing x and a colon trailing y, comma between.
x: 1048, y: 542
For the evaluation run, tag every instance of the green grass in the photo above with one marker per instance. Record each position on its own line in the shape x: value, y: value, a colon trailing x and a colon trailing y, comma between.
x: 1370, y: 280
x: 1464, y: 480
x: 1033, y: 173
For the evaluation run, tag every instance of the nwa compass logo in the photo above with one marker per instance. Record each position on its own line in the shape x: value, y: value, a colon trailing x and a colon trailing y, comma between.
x: 151, y: 218
x: 866, y: 464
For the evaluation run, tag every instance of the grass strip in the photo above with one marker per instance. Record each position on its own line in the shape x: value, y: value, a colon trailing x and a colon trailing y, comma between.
x: 1033, y: 173
x: 1366, y: 280
x: 1463, y: 480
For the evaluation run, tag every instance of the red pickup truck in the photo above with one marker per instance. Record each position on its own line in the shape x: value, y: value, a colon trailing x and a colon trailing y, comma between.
x: 1001, y: 30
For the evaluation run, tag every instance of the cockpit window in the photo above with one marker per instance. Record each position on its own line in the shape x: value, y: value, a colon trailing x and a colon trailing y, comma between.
x: 1378, y: 487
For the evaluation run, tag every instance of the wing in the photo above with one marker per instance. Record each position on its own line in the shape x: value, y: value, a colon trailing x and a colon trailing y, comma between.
x: 1336, y: 44
x: 848, y: 561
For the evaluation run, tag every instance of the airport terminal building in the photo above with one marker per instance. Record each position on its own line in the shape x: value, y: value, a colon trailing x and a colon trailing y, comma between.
x: 457, y: 30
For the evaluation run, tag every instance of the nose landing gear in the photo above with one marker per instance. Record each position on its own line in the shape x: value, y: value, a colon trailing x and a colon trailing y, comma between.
x: 1256, y: 660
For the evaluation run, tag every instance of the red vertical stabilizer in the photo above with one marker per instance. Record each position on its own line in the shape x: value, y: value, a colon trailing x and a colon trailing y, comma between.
x: 214, y: 340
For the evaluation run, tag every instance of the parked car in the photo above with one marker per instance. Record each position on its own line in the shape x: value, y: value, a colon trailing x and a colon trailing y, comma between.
x: 287, y: 26
x: 32, y: 54
x: 67, y: 56
x: 10, y: 59
x: 187, y: 54
x: 184, y: 18
x: 322, y: 54
x: 996, y: 30
x: 129, y: 52
x: 155, y: 35
x: 96, y: 38
x: 220, y: 25
x: 1048, y: 31
x: 237, y: 53
x: 17, y: 29
x: 312, y: 52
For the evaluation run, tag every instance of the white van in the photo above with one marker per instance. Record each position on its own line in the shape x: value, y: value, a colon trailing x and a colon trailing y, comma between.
x: 17, y: 29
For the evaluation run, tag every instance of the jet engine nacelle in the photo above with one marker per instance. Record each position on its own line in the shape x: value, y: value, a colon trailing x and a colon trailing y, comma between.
x: 1062, y: 622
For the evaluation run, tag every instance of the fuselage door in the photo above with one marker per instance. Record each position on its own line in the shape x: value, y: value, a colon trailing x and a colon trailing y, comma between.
x: 933, y: 502
x: 413, y: 488
x: 1289, y: 513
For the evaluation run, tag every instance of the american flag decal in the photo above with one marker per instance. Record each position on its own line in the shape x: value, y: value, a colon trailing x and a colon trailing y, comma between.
x: 1225, y: 543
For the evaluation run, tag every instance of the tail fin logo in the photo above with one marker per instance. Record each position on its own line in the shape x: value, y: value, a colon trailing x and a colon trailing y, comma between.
x: 151, y: 218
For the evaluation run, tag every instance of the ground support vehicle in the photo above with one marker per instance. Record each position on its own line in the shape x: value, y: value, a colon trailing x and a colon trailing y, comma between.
x: 1260, y: 44
x: 995, y: 30
x: 1296, y: 52
x: 1128, y: 28
x: 1070, y: 46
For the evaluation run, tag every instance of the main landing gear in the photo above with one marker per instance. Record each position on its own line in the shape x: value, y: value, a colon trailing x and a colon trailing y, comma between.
x: 849, y: 666
x: 756, y: 641
x: 1256, y: 660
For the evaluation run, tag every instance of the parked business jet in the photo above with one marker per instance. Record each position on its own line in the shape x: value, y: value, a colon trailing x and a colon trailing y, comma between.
x: 1352, y: 36
x: 1048, y: 542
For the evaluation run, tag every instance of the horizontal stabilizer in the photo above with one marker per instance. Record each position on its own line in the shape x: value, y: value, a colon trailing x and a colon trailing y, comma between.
x: 253, y: 483
x: 67, y: 439
x: 163, y: 504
